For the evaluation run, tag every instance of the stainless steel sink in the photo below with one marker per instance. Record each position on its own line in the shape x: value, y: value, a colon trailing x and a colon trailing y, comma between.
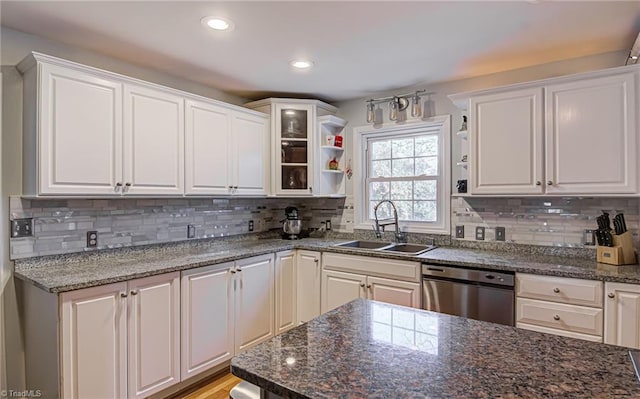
x: 405, y: 249
x: 363, y: 244
x: 408, y: 249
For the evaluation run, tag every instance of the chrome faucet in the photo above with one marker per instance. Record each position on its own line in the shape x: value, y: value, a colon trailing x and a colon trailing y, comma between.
x: 380, y: 224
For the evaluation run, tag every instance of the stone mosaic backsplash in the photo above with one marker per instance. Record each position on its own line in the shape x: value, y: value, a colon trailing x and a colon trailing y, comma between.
x: 540, y: 221
x: 60, y: 226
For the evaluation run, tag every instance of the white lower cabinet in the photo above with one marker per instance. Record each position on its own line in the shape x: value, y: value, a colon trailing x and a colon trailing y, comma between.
x: 339, y: 286
x: 561, y: 306
x: 622, y: 315
x: 121, y: 340
x: 207, y: 318
x: 286, y: 290
x: 308, y: 275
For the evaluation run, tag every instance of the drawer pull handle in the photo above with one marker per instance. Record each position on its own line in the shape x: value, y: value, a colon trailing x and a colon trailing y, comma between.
x: 611, y: 295
x: 556, y: 317
x: 556, y: 290
x: 123, y: 294
x: 362, y: 285
x: 489, y: 276
x: 134, y: 292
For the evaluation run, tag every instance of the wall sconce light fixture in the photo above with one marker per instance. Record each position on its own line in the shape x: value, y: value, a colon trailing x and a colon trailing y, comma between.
x: 397, y: 104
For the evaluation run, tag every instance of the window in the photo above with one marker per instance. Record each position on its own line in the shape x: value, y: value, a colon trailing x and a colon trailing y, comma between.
x: 409, y: 166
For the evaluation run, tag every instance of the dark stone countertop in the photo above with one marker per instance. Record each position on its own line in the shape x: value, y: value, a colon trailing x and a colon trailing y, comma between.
x: 62, y: 273
x: 368, y: 349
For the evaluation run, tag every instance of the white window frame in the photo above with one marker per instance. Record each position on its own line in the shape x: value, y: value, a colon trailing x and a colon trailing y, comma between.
x: 360, y: 205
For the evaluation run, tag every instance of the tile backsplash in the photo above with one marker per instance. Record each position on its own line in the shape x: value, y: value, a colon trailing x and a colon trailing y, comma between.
x: 60, y: 226
x: 540, y: 221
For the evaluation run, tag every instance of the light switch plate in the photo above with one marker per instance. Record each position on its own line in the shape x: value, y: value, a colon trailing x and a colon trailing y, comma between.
x: 328, y: 224
x: 22, y: 228
x: 191, y: 231
x: 92, y: 239
x: 460, y: 231
x: 250, y: 225
x: 480, y: 233
x: 500, y: 233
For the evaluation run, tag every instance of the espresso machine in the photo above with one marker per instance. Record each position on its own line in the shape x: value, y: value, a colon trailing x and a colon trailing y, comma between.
x: 291, y: 224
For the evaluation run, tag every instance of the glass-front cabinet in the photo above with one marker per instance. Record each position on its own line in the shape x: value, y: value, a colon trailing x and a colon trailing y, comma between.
x: 294, y: 140
x: 307, y: 160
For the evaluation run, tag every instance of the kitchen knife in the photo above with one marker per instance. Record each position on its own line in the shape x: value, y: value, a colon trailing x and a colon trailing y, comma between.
x: 607, y: 221
x: 608, y: 239
x: 600, y: 220
x: 599, y: 237
x: 617, y: 225
x: 623, y: 222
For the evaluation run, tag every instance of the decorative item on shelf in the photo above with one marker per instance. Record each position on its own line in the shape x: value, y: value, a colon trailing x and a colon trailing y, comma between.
x: 333, y: 164
x: 348, y: 171
x: 464, y: 158
x: 397, y: 104
x: 329, y: 140
x: 462, y: 186
x: 615, y: 246
x: 463, y: 127
x: 337, y: 141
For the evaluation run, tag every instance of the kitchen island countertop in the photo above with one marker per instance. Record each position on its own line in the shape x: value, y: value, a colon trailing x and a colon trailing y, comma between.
x: 368, y: 349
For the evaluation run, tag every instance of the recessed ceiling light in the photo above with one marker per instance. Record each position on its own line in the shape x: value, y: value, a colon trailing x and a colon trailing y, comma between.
x: 301, y: 64
x: 217, y: 23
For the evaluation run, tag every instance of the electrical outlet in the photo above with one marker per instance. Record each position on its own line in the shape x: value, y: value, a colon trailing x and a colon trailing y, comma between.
x: 500, y: 233
x: 250, y: 225
x: 22, y: 228
x: 191, y: 231
x: 92, y: 239
x: 460, y: 231
x: 328, y: 224
x: 480, y: 233
x: 589, y: 237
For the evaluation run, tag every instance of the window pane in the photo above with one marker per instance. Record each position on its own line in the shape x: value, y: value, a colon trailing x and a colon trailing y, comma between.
x: 379, y: 190
x: 381, y: 149
x: 427, y: 166
x: 425, y: 211
x: 381, y: 168
x: 426, y: 190
x: 402, y: 167
x: 401, y: 190
x: 405, y: 210
x: 402, y: 148
x: 426, y: 145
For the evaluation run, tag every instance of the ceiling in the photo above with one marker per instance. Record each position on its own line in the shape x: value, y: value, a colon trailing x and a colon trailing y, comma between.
x: 358, y: 48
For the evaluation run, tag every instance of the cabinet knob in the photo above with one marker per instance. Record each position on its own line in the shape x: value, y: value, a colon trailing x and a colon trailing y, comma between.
x: 611, y: 295
x: 238, y: 269
x: 538, y: 183
x: 362, y: 285
x: 311, y: 189
x: 232, y: 271
x: 556, y: 290
x: 123, y: 294
x: 549, y: 183
x: 316, y: 260
x: 369, y: 286
x: 556, y: 317
x: 118, y: 185
x: 134, y: 292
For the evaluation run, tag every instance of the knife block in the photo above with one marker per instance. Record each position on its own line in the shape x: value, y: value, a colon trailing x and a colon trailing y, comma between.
x: 621, y: 253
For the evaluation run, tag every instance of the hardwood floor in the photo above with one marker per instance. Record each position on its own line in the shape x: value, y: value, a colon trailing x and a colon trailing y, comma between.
x: 217, y: 388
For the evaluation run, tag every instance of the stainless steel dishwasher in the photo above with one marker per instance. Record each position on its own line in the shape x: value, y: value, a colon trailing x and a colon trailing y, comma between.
x: 477, y: 294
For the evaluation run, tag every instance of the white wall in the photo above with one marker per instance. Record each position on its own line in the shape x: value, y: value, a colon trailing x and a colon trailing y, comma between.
x: 16, y: 45
x: 438, y: 104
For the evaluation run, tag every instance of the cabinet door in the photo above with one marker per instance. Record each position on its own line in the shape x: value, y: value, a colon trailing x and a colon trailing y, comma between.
x: 308, y: 283
x: 591, y: 136
x: 254, y: 313
x: 285, y: 278
x: 250, y: 163
x: 154, y: 334
x: 207, y: 149
x: 207, y: 318
x: 93, y: 344
x: 622, y: 315
x: 80, y: 133
x: 506, y: 143
x: 293, y: 149
x: 394, y: 291
x: 339, y: 288
x: 153, y: 141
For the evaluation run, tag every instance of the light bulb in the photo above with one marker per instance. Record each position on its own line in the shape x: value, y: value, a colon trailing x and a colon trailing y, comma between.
x: 371, y: 116
x: 393, y: 110
x: 416, y: 107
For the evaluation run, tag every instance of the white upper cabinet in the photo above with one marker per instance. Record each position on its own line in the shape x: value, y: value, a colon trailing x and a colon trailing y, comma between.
x: 591, y: 136
x: 154, y: 141
x: 250, y: 153
x: 80, y: 133
x: 207, y: 142
x: 506, y: 144
x: 571, y: 135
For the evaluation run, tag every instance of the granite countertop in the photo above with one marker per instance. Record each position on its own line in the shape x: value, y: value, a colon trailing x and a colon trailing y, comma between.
x: 368, y: 349
x: 75, y: 271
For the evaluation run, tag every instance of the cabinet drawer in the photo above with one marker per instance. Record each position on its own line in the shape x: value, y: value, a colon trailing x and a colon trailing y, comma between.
x: 397, y: 269
x: 563, y: 333
x: 579, y: 319
x: 559, y: 289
